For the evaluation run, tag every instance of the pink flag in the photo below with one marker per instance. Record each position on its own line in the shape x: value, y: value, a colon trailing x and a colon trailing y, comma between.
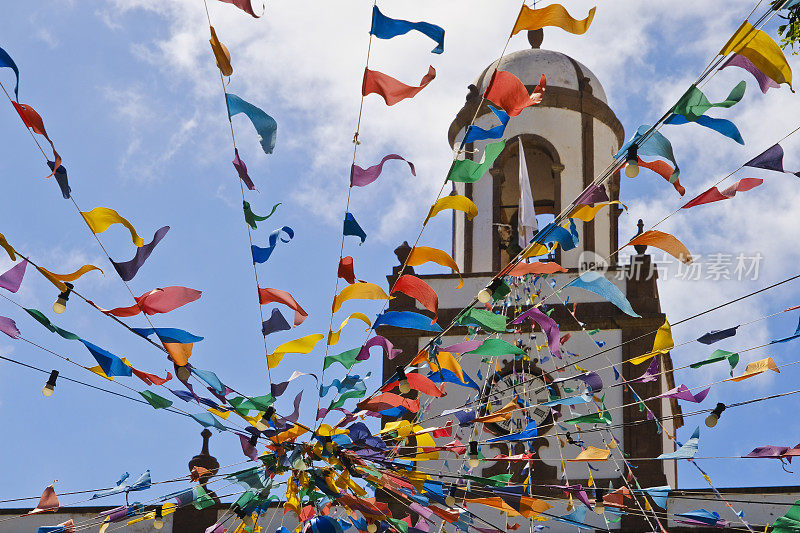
x: 8, y: 327
x: 161, y: 300
x: 683, y: 393
x: 391, y: 90
x: 244, y: 5
x: 715, y: 195
x: 359, y: 177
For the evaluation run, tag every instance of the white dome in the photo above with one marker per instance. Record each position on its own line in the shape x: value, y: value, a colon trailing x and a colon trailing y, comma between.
x: 529, y: 65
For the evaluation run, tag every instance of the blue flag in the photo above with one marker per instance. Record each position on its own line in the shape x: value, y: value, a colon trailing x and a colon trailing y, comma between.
x: 351, y: 227
x: 260, y: 255
x: 384, y: 27
x: 474, y: 133
x: 265, y: 125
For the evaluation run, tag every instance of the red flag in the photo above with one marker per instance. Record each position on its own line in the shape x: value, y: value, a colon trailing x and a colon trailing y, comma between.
x: 346, y: 270
x: 388, y: 400
x: 420, y: 291
x: 151, y: 379
x: 714, y: 195
x: 665, y: 171
x: 507, y: 91
x: 33, y: 120
x: 391, y: 90
x: 266, y: 296
x: 446, y: 431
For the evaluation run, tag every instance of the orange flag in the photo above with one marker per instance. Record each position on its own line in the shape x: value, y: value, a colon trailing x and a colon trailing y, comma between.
x: 664, y: 241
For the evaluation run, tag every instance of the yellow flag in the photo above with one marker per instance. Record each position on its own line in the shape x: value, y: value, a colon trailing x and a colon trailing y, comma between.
x: 502, y: 414
x: 757, y: 367
x: 359, y: 291
x: 100, y: 219
x: 662, y: 344
x: 448, y: 362
x: 664, y: 241
x: 333, y: 336
x: 424, y: 254
x: 590, y: 483
x: 587, y: 212
x: 456, y: 202
x: 58, y: 279
x: 552, y: 15
x: 537, y: 249
x: 221, y: 54
x: 592, y: 453
x: 8, y: 248
x: 762, y: 51
x: 303, y: 345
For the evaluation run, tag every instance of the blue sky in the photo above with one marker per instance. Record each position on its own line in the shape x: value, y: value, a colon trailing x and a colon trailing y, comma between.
x: 130, y: 95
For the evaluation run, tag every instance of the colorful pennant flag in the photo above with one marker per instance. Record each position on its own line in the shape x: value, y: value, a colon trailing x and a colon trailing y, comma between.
x: 552, y: 15
x: 391, y: 90
x: 360, y: 177
x: 508, y: 92
x: 384, y: 27
x: 715, y: 195
x: 265, y: 125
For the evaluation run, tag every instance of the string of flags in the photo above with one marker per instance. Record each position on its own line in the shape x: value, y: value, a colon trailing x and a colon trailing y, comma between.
x: 320, y: 473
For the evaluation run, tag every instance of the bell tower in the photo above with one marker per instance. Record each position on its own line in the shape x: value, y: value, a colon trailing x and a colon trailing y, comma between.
x: 567, y: 140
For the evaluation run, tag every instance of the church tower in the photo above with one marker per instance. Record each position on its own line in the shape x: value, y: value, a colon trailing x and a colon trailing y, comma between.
x: 568, y: 139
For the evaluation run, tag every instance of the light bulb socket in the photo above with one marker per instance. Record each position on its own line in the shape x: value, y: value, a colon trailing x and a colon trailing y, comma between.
x: 401, y: 373
x: 473, y: 449
x: 159, y: 512
x: 719, y: 409
x: 632, y: 157
x: 51, y: 381
x: 269, y: 413
x: 253, y: 440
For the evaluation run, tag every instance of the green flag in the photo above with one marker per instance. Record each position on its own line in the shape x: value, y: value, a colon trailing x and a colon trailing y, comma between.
x: 485, y: 319
x: 693, y: 104
x: 471, y: 171
x: 158, y: 402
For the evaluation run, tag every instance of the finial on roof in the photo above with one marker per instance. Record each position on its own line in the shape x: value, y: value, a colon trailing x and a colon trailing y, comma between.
x: 640, y: 248
x: 535, y: 37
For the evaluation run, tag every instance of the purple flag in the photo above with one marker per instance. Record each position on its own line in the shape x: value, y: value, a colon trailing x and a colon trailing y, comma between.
x: 296, y: 414
x: 576, y: 490
x: 461, y: 347
x: 274, y: 323
x: 592, y: 195
x: 770, y: 159
x: 717, y: 335
x: 740, y: 61
x: 248, y: 449
x: 128, y: 269
x: 651, y: 374
x: 12, y: 278
x: 360, y: 177
x: 8, y: 327
x: 388, y: 348
x: 547, y: 324
x: 241, y: 168
x: 683, y: 393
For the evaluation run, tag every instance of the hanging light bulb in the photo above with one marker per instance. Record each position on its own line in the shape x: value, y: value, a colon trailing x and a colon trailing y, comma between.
x: 372, y: 527
x: 450, y: 500
x: 599, y: 508
x: 50, y: 386
x: 60, y: 304
x: 183, y: 373
x: 713, y: 417
x: 404, y: 386
x: 485, y: 295
x: 158, y: 522
x: 632, y: 162
x: 473, y: 460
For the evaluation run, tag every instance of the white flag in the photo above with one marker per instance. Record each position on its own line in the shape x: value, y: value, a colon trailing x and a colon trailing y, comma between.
x: 526, y: 216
